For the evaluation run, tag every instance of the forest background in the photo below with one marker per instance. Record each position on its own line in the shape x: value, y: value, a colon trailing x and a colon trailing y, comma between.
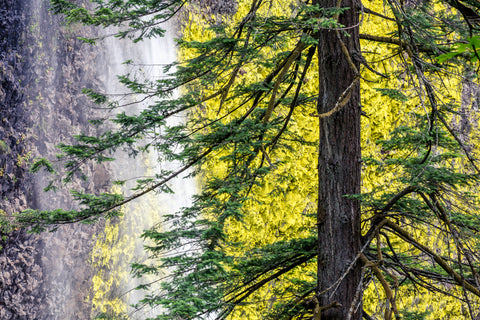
x: 253, y: 87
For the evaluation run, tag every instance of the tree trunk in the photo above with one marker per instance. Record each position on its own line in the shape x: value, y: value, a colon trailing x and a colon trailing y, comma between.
x: 339, y: 169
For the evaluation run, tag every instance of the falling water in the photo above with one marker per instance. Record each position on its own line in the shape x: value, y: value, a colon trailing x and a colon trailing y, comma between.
x: 84, y: 269
x: 149, y: 58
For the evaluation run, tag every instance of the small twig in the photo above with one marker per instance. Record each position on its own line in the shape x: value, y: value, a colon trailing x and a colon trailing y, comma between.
x: 369, y: 11
x: 402, y: 233
x: 464, y: 148
x: 317, y: 312
x: 386, y: 288
x: 262, y: 148
x: 350, y: 267
x: 341, y: 102
x: 356, y: 298
x: 294, y: 55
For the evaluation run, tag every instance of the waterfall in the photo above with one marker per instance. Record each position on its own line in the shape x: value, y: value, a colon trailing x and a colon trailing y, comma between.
x: 148, y: 60
x: 81, y: 270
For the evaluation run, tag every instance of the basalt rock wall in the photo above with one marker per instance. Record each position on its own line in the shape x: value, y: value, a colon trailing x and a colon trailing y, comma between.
x: 20, y: 273
x: 13, y: 117
x: 43, y: 67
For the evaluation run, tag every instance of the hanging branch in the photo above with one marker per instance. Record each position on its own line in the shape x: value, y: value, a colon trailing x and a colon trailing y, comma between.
x: 438, y: 259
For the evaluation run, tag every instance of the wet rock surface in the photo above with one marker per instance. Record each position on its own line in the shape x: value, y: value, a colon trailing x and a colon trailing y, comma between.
x: 20, y: 277
x: 20, y: 273
x: 13, y: 141
x: 211, y: 11
x: 43, y: 68
x: 220, y: 6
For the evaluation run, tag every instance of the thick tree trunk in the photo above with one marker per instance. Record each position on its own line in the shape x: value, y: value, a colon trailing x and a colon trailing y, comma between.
x: 339, y: 169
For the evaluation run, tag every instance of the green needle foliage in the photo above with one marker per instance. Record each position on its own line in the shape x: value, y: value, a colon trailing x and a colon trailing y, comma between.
x: 434, y: 171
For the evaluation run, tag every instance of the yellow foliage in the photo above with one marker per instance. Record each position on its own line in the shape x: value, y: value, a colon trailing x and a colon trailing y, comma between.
x: 115, y: 249
x: 108, y: 258
x: 277, y: 210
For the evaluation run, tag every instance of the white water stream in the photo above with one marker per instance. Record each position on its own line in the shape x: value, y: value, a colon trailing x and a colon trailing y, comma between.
x: 149, y: 58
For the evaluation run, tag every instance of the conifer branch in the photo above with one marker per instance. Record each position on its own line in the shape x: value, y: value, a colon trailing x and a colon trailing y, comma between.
x: 385, y: 285
x: 369, y: 11
x: 438, y: 259
x: 286, y: 66
x: 293, y: 104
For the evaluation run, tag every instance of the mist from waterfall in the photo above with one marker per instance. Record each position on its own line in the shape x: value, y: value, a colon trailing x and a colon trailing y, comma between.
x: 146, y: 60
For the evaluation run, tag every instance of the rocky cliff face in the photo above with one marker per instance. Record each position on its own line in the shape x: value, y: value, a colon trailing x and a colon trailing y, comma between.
x: 43, y: 68
x: 20, y: 273
x: 12, y: 116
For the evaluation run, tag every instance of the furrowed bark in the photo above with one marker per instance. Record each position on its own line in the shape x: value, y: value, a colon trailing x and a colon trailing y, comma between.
x: 338, y: 165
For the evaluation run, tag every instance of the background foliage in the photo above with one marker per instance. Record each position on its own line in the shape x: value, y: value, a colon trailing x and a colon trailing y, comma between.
x: 247, y: 247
